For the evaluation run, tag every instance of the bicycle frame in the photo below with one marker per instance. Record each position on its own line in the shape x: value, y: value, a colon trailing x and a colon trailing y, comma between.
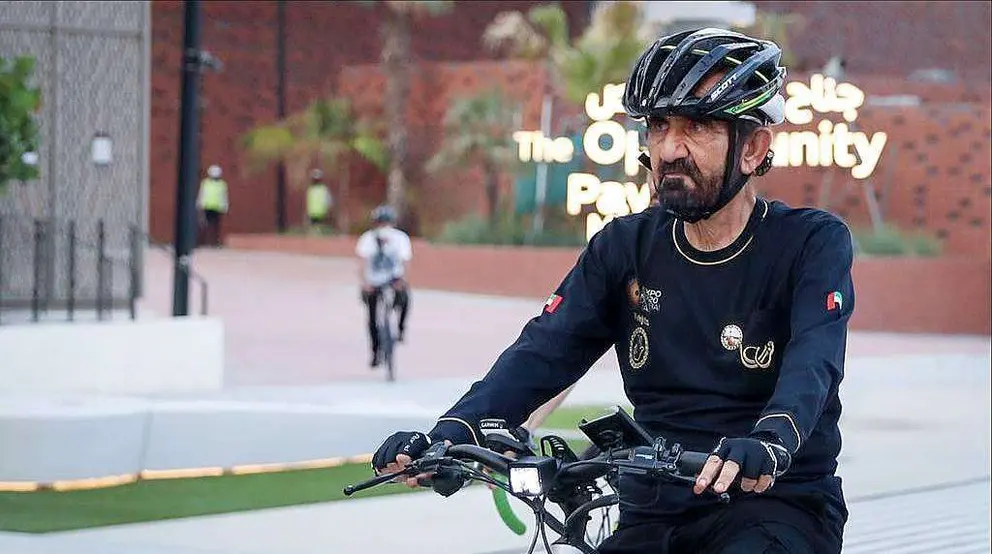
x: 386, y: 326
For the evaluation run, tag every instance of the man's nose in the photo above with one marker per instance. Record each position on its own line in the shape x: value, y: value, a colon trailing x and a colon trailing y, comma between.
x: 672, y: 147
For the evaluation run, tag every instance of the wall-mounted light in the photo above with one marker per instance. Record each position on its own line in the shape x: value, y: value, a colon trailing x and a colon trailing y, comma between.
x: 102, y: 149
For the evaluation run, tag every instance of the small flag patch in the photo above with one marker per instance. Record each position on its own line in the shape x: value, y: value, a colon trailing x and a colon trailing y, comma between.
x: 834, y: 301
x: 552, y: 304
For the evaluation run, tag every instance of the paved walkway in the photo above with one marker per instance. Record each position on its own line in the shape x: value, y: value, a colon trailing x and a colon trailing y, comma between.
x: 297, y: 320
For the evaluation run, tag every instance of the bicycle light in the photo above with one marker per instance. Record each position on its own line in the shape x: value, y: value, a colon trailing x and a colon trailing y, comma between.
x: 530, y: 474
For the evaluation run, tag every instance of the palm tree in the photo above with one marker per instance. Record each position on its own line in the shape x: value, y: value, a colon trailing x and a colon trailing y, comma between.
x: 478, y: 133
x: 602, y: 55
x: 605, y: 51
x: 325, y: 134
x: 396, y: 64
x: 542, y: 36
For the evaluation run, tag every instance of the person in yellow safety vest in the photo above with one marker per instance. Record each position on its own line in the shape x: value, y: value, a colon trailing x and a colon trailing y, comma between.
x: 319, y: 199
x: 213, y: 205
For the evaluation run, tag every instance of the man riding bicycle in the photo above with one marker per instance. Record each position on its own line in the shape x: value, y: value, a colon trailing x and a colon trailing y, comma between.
x: 728, y: 313
x: 384, y: 252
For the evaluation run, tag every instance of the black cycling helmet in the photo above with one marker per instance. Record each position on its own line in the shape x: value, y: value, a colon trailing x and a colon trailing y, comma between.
x: 666, y: 75
x: 384, y: 214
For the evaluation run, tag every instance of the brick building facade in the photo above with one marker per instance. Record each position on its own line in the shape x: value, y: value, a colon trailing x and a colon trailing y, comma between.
x: 321, y: 38
x: 892, y: 38
x: 934, y: 173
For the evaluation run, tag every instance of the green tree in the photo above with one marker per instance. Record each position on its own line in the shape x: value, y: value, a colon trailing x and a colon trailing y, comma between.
x: 540, y: 35
x: 603, y: 54
x: 396, y: 63
x: 325, y: 134
x: 605, y: 51
x: 19, y: 101
x: 478, y: 133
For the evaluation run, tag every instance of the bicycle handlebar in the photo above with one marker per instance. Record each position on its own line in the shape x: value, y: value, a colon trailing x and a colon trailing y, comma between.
x: 493, y: 460
x: 681, y: 464
x: 691, y: 463
x: 565, y: 488
x: 676, y: 463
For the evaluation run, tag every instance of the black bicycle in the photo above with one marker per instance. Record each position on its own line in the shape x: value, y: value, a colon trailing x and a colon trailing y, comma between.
x: 556, y: 475
x: 386, y: 327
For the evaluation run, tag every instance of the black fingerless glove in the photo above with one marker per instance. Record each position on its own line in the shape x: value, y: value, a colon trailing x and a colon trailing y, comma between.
x: 757, y: 455
x: 411, y: 443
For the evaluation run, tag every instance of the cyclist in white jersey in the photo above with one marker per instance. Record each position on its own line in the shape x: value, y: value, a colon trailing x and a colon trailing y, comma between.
x: 384, y: 252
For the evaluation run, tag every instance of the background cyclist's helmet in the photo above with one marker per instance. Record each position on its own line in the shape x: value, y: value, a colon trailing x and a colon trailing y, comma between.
x: 316, y: 175
x: 384, y: 214
x: 665, y: 77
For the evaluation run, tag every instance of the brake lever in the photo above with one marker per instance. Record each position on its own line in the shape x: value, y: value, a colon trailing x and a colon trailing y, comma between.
x: 430, y: 461
x: 375, y: 481
x: 663, y: 470
x: 724, y: 497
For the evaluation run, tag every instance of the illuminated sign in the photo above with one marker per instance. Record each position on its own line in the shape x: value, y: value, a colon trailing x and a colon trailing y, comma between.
x: 610, y: 198
x: 831, y: 144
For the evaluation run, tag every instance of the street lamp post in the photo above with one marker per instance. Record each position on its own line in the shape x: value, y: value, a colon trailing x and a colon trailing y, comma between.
x: 281, y: 109
x: 185, y: 223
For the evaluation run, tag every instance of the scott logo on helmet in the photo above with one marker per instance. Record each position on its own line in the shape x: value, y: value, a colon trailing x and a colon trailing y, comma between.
x: 723, y: 87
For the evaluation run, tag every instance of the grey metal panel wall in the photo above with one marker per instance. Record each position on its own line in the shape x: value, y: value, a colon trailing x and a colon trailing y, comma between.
x: 92, y: 67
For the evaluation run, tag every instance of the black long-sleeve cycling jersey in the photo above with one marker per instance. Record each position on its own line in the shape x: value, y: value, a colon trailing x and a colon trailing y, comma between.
x: 710, y: 343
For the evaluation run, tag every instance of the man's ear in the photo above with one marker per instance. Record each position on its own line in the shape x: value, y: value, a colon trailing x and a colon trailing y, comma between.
x: 755, y: 150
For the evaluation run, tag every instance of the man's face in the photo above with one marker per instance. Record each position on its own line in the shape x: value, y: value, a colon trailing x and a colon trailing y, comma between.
x: 688, y: 157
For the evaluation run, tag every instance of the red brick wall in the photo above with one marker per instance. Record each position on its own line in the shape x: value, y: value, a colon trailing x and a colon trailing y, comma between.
x: 936, y: 169
x: 321, y: 37
x: 918, y: 295
x: 243, y: 36
x: 934, y: 172
x: 893, y: 38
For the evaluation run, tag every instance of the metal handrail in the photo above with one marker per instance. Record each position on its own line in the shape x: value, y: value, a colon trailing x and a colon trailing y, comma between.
x: 188, y: 270
x: 43, y: 260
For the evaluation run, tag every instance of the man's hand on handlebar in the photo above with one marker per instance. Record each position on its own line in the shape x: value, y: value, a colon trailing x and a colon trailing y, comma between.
x: 398, y: 451
x: 758, y: 460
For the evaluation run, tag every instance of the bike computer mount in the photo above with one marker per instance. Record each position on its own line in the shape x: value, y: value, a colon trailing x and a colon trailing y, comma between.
x: 615, y: 430
x: 498, y: 437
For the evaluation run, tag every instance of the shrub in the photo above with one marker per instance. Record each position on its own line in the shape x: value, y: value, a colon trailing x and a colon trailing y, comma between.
x: 891, y: 241
x: 508, y: 229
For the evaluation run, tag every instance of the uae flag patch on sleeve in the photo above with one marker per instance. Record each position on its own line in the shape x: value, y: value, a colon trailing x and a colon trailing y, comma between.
x: 552, y: 303
x: 834, y: 301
